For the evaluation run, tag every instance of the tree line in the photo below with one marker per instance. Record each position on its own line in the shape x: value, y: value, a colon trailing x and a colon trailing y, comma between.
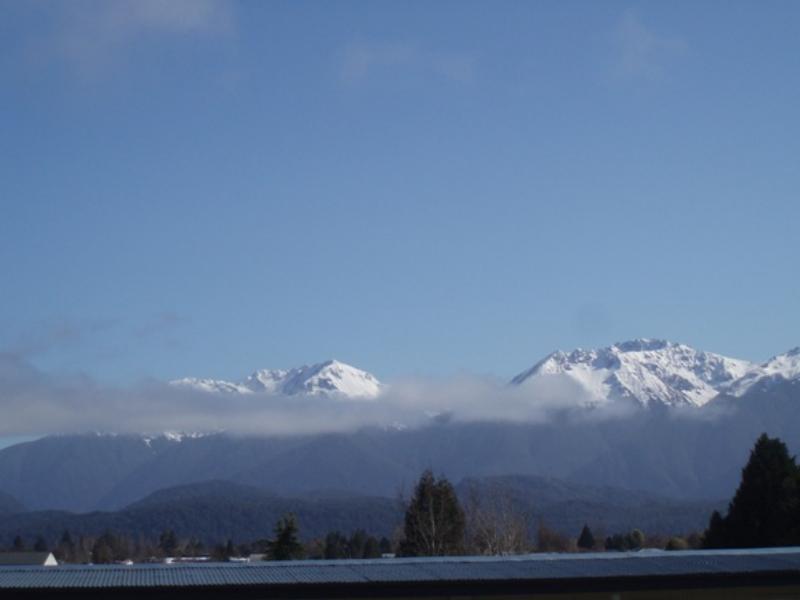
x: 111, y: 547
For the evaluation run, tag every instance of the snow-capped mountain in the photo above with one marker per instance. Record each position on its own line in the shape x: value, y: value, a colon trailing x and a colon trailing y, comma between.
x: 778, y: 368
x: 328, y: 378
x: 644, y: 370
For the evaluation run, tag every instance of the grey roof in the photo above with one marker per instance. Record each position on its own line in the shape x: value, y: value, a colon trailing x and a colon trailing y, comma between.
x: 529, y: 567
x: 23, y: 558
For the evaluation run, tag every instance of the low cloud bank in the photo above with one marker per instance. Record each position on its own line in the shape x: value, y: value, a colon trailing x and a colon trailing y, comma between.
x: 34, y: 403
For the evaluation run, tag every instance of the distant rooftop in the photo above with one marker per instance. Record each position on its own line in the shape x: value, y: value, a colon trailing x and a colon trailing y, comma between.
x: 521, y: 575
x: 27, y: 558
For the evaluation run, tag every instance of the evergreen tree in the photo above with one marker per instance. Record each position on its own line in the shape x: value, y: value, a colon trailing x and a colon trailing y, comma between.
x: 372, y: 548
x: 110, y: 547
x: 355, y: 546
x: 586, y: 539
x: 335, y: 545
x: 101, y: 551
x: 285, y: 546
x: 434, y: 520
x: 168, y: 542
x: 40, y: 545
x: 18, y: 545
x: 765, y: 511
x: 386, y: 546
x: 715, y: 536
x: 622, y: 543
x: 65, y: 551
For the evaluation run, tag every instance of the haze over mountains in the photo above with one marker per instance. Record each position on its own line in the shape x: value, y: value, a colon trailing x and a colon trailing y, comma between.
x: 686, y: 423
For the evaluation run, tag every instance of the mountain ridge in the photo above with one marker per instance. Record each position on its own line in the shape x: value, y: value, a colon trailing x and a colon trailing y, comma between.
x: 781, y: 367
x: 646, y: 371
x: 330, y: 377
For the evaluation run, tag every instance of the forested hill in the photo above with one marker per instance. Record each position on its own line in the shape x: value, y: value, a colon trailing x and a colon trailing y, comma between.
x: 216, y: 511
x: 212, y: 512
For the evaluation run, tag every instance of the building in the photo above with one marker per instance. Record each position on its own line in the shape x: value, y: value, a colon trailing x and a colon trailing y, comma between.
x: 42, y: 559
x: 759, y: 573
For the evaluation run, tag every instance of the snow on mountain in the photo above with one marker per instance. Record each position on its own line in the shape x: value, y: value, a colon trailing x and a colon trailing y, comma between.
x: 210, y: 385
x: 175, y: 437
x: 644, y: 370
x: 782, y: 367
x: 328, y: 378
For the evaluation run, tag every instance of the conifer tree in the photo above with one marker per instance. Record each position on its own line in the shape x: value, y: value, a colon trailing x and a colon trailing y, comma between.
x: 168, y: 542
x: 434, y: 520
x: 765, y: 511
x: 285, y: 546
x: 335, y: 545
x: 65, y: 551
x: 372, y: 548
x: 586, y: 539
x: 355, y: 545
x: 386, y: 545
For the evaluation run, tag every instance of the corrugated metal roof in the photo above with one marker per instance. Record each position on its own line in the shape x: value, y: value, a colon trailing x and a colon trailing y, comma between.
x: 406, y: 570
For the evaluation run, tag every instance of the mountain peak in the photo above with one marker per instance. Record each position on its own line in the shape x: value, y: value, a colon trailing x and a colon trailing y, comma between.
x: 783, y: 367
x: 331, y: 377
x: 647, y: 371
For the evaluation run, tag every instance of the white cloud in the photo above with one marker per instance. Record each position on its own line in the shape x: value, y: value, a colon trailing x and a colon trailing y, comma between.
x: 33, y: 402
x: 362, y: 60
x: 169, y: 15
x: 641, y: 52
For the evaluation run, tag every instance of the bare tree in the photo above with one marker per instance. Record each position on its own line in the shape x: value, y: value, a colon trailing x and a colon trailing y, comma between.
x: 495, y: 523
x: 550, y: 540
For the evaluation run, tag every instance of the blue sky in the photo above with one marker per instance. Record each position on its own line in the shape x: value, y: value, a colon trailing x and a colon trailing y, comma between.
x: 205, y: 188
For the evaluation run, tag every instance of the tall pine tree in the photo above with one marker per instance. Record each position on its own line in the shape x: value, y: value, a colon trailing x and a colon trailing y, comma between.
x: 586, y: 540
x: 765, y: 511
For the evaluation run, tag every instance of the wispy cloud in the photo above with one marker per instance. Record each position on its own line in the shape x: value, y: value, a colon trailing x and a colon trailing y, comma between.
x: 55, y: 334
x: 90, y: 34
x: 161, y: 324
x: 103, y: 336
x: 363, y: 60
x: 641, y: 52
